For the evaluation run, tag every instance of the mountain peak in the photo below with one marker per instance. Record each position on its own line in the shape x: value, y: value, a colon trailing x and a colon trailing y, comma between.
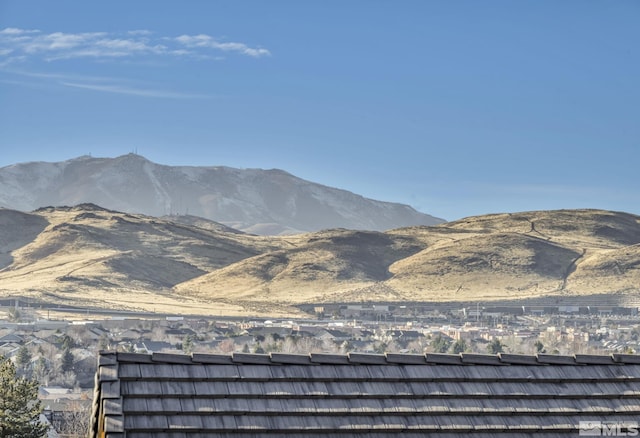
x: 252, y: 200
x: 131, y: 156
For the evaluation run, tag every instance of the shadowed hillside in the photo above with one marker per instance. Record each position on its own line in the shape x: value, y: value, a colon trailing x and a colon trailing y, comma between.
x: 88, y: 255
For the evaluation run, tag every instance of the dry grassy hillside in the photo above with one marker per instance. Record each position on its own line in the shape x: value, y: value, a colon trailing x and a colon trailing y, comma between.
x: 523, y: 255
x: 316, y: 267
x: 87, y: 255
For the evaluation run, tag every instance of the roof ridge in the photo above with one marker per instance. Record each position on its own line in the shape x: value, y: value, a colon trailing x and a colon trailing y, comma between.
x: 311, y: 359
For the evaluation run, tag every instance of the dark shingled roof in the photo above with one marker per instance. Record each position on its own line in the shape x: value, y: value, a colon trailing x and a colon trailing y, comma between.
x: 357, y: 395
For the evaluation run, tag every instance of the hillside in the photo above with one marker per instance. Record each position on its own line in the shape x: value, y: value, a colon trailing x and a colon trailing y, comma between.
x: 257, y: 201
x: 91, y: 256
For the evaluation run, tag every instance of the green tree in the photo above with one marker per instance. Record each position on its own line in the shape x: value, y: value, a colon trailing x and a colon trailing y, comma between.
x: 495, y: 347
x: 440, y: 344
x: 66, y: 361
x: 19, y: 405
x: 460, y: 346
x: 539, y: 346
x: 23, y: 357
x: 380, y: 348
x: 68, y: 342
x: 187, y: 344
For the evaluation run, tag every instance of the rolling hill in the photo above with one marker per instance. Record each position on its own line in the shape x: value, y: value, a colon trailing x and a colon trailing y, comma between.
x: 91, y: 256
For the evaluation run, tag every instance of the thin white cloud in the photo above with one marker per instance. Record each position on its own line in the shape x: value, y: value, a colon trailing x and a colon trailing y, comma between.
x: 206, y: 41
x: 141, y: 92
x: 16, y: 31
x: 102, y: 84
x: 61, y: 76
x: 139, y: 32
x: 24, y: 44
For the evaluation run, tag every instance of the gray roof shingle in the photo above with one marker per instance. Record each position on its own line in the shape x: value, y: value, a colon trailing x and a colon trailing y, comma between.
x: 245, y: 395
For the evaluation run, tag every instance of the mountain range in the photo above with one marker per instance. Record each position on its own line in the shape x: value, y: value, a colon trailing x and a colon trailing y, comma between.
x: 257, y: 201
x: 91, y: 256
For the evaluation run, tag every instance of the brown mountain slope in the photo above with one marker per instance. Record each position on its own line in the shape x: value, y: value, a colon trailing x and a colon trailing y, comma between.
x: 16, y: 230
x: 614, y: 270
x: 586, y: 228
x: 509, y: 262
x: 501, y: 256
x: 320, y: 264
x: 87, y: 255
x: 521, y: 255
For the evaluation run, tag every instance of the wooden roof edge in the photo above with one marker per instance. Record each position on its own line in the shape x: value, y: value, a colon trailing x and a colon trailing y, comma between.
x: 626, y: 358
x: 105, y: 378
x: 481, y: 359
x: 285, y: 358
x: 595, y: 359
x: 409, y: 359
x: 519, y: 359
x: 331, y: 359
x: 95, y: 409
x: 109, y: 360
x: 444, y: 359
x: 556, y: 359
x: 367, y: 358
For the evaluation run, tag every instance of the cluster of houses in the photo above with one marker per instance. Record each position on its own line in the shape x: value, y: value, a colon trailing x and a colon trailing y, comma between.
x: 62, y: 354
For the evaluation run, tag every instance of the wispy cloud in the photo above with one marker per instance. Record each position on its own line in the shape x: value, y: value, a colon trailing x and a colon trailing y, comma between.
x: 132, y: 91
x: 205, y: 41
x: 101, y: 84
x: 15, y: 31
x: 23, y: 44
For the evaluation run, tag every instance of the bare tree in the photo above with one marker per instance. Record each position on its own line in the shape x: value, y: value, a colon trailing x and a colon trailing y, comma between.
x: 227, y: 346
x: 73, y: 422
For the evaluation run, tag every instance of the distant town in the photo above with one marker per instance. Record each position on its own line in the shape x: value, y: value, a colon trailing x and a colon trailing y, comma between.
x: 58, y: 347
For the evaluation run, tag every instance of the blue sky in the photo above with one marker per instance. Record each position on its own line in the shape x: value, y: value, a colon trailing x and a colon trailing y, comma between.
x: 455, y: 108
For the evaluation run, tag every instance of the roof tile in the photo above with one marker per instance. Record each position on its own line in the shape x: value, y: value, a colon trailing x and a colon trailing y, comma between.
x: 211, y: 358
x: 171, y: 358
x: 445, y: 359
x: 626, y: 358
x: 310, y: 396
x: 252, y: 358
x: 482, y: 359
x: 301, y: 359
x: 594, y: 359
x: 520, y: 359
x: 134, y: 357
x: 334, y: 359
x: 556, y: 359
x: 406, y: 358
x: 365, y: 358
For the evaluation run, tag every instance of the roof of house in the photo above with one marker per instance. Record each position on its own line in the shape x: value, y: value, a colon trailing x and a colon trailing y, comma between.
x: 253, y: 395
x: 153, y: 346
x: 11, y: 338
